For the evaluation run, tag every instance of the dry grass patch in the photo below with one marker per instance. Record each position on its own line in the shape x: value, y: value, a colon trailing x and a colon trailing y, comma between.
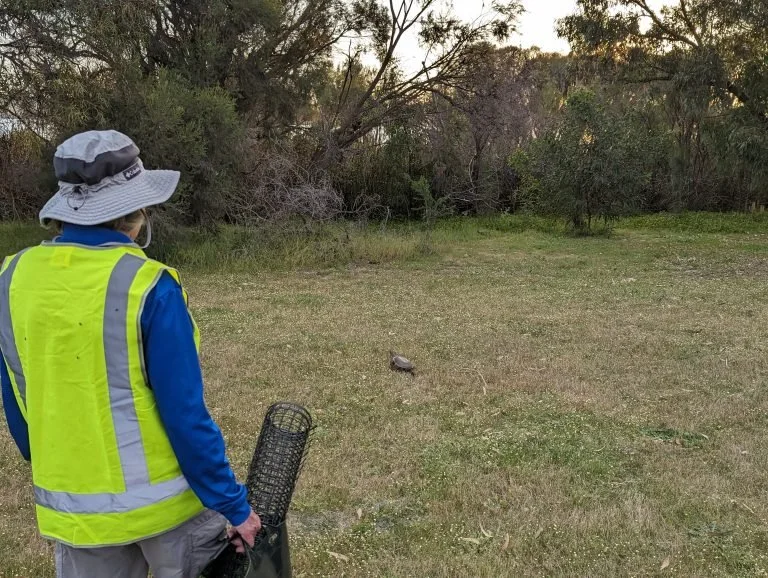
x: 582, y: 407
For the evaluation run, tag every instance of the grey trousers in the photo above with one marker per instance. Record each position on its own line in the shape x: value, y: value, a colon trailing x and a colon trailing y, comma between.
x: 181, y: 553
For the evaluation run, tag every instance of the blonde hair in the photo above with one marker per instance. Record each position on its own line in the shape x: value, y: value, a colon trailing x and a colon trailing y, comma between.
x: 124, y: 224
x: 127, y: 223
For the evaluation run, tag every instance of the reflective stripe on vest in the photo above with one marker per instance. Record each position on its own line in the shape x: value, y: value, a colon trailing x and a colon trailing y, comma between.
x: 133, y: 499
x: 7, y: 339
x: 126, y: 423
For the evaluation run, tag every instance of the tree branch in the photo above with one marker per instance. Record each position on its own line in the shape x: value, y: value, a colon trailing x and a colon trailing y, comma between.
x: 689, y: 23
x: 673, y: 34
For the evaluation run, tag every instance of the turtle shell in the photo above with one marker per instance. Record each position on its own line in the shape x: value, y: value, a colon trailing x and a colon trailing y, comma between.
x: 401, y: 363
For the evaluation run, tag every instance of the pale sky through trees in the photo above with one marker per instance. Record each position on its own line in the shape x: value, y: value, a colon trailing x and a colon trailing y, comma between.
x: 538, y: 22
x: 535, y: 28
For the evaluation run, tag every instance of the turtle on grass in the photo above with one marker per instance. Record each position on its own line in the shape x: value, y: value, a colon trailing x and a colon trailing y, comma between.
x: 398, y: 362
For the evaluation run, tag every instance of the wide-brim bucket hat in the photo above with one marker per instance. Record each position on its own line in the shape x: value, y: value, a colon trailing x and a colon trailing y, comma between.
x: 101, y: 178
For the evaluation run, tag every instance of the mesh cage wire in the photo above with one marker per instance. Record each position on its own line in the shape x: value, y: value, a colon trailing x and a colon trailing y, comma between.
x: 277, y: 461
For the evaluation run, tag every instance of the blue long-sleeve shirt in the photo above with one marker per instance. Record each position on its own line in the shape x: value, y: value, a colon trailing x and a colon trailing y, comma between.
x: 173, y: 368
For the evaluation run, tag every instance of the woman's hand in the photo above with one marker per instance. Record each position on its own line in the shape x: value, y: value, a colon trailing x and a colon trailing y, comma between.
x: 245, y: 533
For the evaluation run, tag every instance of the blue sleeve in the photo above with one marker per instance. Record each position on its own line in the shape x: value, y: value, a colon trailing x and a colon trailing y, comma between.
x: 17, y: 425
x: 173, y: 368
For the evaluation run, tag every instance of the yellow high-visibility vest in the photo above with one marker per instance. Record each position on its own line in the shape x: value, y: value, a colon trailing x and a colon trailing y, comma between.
x: 103, y: 468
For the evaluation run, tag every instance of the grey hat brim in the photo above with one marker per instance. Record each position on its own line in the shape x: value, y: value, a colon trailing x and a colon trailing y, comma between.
x: 111, y: 202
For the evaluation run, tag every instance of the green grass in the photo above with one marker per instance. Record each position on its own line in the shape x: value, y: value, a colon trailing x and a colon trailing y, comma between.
x: 582, y: 406
x: 16, y: 236
x: 291, y: 247
x: 727, y: 223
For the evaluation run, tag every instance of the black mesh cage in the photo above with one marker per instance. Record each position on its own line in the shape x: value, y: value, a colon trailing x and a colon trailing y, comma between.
x: 277, y: 461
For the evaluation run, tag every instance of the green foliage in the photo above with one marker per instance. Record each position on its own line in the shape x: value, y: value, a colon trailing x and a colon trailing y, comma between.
x: 592, y: 165
x: 432, y: 208
x: 179, y: 126
x: 739, y: 148
x: 380, y: 176
x: 182, y: 78
x: 707, y: 60
x: 266, y: 53
x: 227, y: 248
x: 528, y: 184
x: 17, y: 235
x: 674, y: 118
x: 22, y: 190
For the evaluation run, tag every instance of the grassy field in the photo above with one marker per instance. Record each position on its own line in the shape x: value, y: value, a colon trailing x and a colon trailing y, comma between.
x: 583, y: 406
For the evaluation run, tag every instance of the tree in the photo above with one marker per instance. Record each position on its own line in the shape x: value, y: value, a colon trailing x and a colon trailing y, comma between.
x: 719, y: 44
x: 709, y: 58
x: 184, y: 79
x: 493, y: 96
x: 267, y: 54
x: 389, y: 91
x: 595, y: 164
